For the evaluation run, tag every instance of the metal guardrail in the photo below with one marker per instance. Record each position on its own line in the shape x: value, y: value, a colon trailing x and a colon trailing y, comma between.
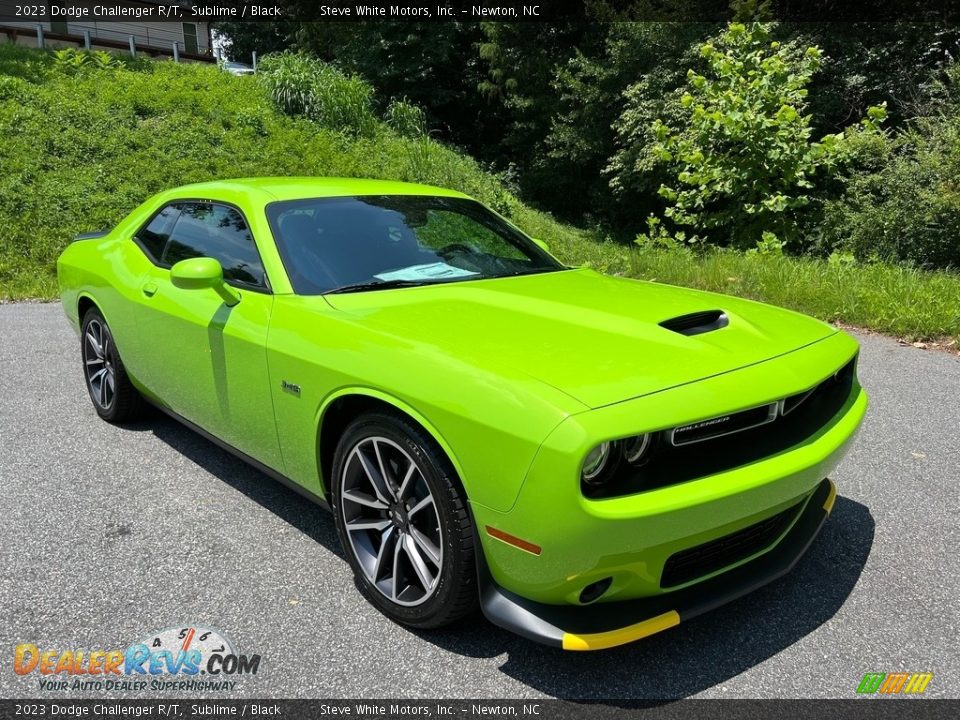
x: 163, y: 41
x: 148, y: 38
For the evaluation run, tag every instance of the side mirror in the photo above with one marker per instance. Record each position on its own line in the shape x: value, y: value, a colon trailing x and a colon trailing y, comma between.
x: 203, y: 273
x: 542, y: 245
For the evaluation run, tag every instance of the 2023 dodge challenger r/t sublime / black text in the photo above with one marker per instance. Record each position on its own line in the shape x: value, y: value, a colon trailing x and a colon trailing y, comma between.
x: 590, y: 459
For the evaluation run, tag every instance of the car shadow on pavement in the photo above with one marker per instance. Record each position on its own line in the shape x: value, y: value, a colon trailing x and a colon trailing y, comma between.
x: 300, y: 513
x: 692, y: 657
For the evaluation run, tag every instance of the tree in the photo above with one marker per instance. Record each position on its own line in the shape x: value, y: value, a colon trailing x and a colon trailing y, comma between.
x: 435, y: 65
x: 245, y: 38
x: 606, y: 102
x: 742, y: 163
x: 522, y: 61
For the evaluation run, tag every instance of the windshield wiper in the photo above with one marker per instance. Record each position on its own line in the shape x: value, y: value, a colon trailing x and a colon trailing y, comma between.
x: 379, y: 285
x: 534, y: 271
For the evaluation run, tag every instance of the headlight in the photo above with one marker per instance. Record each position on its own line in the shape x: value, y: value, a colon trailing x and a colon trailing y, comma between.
x: 596, y: 462
x: 602, y: 462
x: 635, y: 448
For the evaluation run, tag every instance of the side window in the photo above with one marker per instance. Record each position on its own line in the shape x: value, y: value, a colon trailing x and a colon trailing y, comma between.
x: 59, y: 26
x: 219, y: 232
x: 153, y: 238
x: 190, y: 43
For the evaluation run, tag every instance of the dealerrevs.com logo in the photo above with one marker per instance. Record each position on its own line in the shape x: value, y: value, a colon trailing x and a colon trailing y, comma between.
x: 190, y: 658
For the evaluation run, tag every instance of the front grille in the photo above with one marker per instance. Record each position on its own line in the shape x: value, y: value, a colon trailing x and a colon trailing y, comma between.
x: 724, y: 425
x: 695, y: 562
x: 694, y: 451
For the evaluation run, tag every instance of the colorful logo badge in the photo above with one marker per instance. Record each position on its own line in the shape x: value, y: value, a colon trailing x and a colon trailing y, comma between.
x: 185, y: 652
x: 894, y: 683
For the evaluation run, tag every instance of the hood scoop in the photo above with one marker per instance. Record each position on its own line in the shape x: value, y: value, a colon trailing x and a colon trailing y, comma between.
x: 697, y: 323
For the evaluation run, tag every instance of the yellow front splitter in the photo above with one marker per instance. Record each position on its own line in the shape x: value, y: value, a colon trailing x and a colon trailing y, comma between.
x: 612, y: 638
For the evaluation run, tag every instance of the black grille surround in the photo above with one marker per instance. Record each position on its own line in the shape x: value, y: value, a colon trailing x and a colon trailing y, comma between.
x: 670, y: 464
x: 696, y: 562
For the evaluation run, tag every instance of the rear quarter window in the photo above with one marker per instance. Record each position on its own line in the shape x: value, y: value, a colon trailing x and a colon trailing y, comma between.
x: 153, y: 237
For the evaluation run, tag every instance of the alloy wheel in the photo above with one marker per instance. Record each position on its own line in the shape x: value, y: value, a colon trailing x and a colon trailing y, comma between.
x: 392, y: 521
x: 101, y: 374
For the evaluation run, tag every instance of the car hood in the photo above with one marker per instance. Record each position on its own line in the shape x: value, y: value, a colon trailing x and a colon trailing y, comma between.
x: 594, y: 337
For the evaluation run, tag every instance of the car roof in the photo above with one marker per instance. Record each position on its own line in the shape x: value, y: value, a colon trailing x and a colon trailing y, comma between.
x: 300, y: 188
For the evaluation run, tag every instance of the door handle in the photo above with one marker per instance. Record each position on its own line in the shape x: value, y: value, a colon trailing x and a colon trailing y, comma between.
x: 150, y: 289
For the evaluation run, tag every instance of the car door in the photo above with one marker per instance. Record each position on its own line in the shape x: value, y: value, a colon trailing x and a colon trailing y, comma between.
x: 203, y: 359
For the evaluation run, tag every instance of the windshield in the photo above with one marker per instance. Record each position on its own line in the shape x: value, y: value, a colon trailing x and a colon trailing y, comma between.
x: 353, y: 244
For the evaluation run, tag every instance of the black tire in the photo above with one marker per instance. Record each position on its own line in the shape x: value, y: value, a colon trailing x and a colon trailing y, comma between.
x: 121, y: 403
x: 454, y: 592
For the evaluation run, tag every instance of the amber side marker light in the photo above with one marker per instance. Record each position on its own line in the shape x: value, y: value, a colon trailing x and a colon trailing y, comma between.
x: 514, y: 540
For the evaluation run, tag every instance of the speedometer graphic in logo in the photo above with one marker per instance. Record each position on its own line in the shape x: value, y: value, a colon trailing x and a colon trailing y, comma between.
x: 185, y: 638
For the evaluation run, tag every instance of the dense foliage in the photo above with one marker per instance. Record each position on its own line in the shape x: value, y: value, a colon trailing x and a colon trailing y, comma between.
x: 904, y: 207
x: 566, y: 114
x: 302, y: 85
x: 81, y: 147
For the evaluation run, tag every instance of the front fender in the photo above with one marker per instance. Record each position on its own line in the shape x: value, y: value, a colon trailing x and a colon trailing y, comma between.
x: 489, y: 421
x: 404, y: 407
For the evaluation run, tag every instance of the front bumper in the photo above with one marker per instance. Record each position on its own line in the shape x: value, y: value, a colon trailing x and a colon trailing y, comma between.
x: 606, y: 625
x: 630, y: 539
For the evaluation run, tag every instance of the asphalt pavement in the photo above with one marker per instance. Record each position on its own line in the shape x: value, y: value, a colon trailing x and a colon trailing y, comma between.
x: 113, y: 533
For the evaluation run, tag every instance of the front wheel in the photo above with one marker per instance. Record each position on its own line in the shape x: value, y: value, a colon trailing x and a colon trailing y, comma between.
x: 403, y: 522
x: 114, y: 397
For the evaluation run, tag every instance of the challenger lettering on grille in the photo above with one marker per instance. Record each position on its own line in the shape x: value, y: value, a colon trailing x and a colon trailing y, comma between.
x: 705, y: 423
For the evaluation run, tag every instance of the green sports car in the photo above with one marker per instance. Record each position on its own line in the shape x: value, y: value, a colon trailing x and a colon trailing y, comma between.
x: 590, y: 459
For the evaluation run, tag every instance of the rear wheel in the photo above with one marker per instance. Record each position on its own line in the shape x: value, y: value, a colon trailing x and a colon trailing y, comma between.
x: 403, y: 522
x: 114, y: 397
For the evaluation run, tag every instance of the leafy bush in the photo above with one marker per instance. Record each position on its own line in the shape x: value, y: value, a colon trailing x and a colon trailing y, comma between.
x: 13, y: 88
x: 73, y: 60
x: 905, y: 207
x: 634, y: 173
x: 24, y: 62
x: 406, y: 118
x: 302, y: 85
x: 743, y: 163
x: 70, y: 59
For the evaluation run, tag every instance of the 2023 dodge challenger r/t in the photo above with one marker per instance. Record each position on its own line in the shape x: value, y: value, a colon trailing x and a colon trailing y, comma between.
x: 591, y: 459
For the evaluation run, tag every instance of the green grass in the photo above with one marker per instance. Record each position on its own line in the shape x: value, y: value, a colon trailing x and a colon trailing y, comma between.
x: 909, y: 303
x: 79, y: 151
